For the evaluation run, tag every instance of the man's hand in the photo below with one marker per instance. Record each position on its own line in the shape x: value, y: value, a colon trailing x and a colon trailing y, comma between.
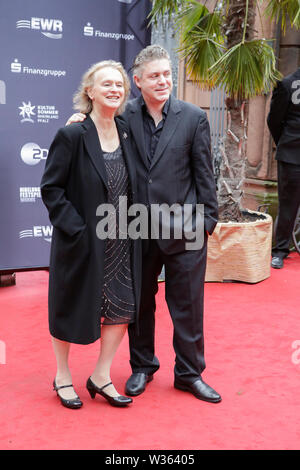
x: 77, y: 117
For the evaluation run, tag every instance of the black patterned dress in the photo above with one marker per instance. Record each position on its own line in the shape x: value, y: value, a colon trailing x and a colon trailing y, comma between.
x: 118, y: 305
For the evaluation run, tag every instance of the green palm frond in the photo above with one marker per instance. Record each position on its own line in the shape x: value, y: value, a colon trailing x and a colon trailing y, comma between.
x: 169, y: 8
x: 200, y: 52
x: 197, y: 17
x: 192, y: 13
x: 201, y: 41
x: 246, y: 70
x: 288, y: 11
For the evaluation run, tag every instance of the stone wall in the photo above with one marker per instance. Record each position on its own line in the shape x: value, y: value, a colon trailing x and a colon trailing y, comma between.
x: 261, y: 184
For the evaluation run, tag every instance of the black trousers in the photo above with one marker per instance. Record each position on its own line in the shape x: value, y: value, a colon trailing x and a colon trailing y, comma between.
x: 184, y: 289
x: 289, y: 200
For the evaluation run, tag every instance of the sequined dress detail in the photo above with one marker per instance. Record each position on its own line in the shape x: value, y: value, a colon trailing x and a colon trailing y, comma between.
x: 118, y: 302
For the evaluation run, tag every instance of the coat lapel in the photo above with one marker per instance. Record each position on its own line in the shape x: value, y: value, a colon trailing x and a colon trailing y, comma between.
x: 170, y: 125
x: 127, y: 149
x: 93, y: 147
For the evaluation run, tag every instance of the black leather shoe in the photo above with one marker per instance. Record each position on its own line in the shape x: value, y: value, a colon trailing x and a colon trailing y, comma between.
x: 200, y: 390
x: 277, y: 262
x: 74, y: 403
x: 120, y: 400
x: 136, y: 383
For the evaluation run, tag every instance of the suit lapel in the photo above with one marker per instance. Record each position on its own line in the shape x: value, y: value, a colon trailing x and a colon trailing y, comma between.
x: 93, y: 147
x: 136, y: 124
x: 170, y: 125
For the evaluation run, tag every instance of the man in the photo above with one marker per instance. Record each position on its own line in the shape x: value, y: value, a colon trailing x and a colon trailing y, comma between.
x: 171, y: 140
x: 284, y: 124
x: 174, y: 166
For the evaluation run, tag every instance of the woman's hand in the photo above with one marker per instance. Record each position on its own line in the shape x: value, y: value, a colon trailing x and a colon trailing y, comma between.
x: 77, y: 117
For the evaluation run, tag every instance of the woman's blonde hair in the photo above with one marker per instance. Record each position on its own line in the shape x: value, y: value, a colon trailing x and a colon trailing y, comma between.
x: 81, y: 99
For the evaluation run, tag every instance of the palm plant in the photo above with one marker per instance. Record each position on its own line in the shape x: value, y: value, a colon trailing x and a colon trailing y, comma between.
x: 220, y: 48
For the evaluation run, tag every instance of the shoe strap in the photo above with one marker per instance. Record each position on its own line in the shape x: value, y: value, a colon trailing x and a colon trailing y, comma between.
x: 104, y: 386
x: 62, y: 386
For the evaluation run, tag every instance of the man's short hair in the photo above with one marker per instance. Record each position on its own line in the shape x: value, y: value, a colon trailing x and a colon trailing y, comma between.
x: 148, y: 54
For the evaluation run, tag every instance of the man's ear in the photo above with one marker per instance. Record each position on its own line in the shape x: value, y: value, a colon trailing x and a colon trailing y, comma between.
x: 137, y: 81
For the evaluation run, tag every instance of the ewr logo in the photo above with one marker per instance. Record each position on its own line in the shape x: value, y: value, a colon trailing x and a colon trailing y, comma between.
x: 50, y: 28
x: 38, y: 231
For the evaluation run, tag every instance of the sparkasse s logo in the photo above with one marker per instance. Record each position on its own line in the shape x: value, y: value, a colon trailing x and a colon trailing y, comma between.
x: 88, y: 30
x: 51, y: 28
x: 16, y: 66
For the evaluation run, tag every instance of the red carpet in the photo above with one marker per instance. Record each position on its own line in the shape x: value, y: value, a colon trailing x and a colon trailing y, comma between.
x: 249, y: 331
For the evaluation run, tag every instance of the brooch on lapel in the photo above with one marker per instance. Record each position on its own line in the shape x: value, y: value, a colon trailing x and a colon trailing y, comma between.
x: 125, y: 135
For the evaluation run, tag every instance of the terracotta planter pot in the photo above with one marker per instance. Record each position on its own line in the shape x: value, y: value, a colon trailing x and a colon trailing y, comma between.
x: 240, y: 251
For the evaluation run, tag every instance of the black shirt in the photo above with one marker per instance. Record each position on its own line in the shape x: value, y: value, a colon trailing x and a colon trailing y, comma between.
x: 152, y: 133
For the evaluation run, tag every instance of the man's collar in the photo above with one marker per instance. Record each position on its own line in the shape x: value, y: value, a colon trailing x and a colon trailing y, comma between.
x: 165, y: 107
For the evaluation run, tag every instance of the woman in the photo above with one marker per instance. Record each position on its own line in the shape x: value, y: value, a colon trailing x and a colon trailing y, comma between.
x: 92, y: 281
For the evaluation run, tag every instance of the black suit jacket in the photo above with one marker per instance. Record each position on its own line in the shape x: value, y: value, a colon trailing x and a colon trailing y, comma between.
x: 284, y: 118
x: 74, y: 184
x: 181, y: 171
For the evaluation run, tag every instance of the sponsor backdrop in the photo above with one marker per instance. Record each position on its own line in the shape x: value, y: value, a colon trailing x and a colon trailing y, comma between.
x: 45, y: 49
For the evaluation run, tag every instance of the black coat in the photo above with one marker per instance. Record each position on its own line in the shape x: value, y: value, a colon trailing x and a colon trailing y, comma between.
x: 74, y: 184
x: 181, y: 170
x: 284, y: 118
